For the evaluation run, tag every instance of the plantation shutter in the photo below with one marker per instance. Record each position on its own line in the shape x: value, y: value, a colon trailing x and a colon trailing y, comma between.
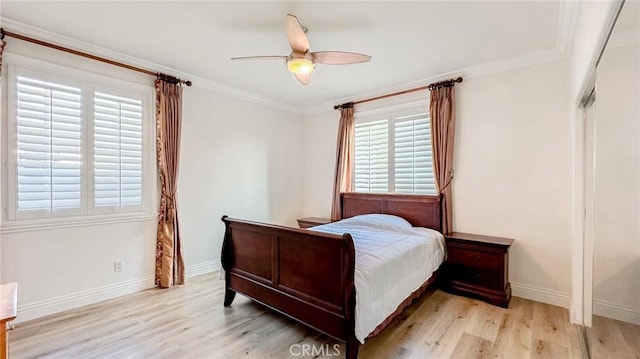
x: 49, y: 131
x: 394, y: 155
x: 372, y: 156
x: 413, y: 159
x: 117, y: 150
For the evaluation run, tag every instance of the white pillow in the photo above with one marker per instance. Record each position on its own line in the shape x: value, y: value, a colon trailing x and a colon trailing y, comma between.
x: 382, y: 221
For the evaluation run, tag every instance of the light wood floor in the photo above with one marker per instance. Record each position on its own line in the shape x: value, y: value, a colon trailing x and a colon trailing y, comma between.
x: 609, y: 338
x: 190, y: 322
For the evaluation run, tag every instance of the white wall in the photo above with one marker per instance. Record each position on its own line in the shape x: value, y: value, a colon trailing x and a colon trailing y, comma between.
x: 237, y: 158
x: 244, y: 159
x: 320, y: 141
x: 57, y: 269
x: 616, y: 243
x: 513, y: 173
x: 512, y: 163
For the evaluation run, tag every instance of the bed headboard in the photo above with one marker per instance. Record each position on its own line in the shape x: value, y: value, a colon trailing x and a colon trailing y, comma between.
x: 419, y: 210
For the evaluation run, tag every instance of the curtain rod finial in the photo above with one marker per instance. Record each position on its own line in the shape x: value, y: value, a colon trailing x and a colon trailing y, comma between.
x: 1, y: 33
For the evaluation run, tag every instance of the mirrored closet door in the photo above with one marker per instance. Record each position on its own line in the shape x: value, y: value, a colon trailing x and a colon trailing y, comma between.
x: 613, y: 172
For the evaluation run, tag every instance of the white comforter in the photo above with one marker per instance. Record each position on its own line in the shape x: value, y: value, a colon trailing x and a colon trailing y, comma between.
x: 393, y: 259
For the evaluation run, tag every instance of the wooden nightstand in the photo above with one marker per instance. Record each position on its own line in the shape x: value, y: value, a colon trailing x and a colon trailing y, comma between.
x: 312, y: 221
x: 478, y: 266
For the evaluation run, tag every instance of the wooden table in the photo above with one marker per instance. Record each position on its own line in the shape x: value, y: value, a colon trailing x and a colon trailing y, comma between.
x: 8, y: 309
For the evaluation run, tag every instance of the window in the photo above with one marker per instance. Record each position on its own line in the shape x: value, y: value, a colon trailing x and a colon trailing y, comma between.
x: 393, y: 152
x: 75, y: 146
x: 49, y: 129
x: 117, y: 151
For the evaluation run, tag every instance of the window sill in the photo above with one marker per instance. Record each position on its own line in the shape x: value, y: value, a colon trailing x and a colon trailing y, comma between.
x: 20, y: 226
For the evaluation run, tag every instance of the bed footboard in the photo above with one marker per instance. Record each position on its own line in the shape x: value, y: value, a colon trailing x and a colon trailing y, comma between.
x: 306, y: 275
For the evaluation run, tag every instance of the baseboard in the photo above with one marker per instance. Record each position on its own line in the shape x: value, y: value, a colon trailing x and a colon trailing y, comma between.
x: 203, y: 268
x: 542, y: 295
x: 611, y: 310
x: 78, y: 299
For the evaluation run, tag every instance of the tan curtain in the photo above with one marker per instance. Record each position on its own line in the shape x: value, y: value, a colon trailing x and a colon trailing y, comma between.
x: 169, y: 261
x: 344, y: 159
x: 443, y: 125
x: 2, y: 43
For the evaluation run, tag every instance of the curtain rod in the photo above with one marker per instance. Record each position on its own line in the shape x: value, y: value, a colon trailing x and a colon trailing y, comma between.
x: 158, y: 75
x: 433, y: 86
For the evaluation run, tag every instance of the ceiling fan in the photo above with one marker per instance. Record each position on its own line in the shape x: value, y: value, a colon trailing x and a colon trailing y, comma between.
x: 300, y: 61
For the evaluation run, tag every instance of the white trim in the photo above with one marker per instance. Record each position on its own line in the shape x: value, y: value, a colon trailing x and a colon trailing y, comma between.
x: 567, y: 15
x: 74, y: 300
x: 49, y: 36
x: 88, y: 82
x: 59, y: 304
x: 616, y: 311
x: 589, y: 81
x: 392, y: 115
x: 195, y: 270
x: 589, y: 204
x: 242, y: 94
x: 75, y: 222
x: 536, y: 58
x: 582, y: 257
x: 542, y: 295
x: 567, y: 18
x: 577, y: 198
x: 394, y: 108
x: 11, y: 121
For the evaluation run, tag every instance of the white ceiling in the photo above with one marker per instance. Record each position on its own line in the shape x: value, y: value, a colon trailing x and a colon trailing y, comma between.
x: 408, y: 41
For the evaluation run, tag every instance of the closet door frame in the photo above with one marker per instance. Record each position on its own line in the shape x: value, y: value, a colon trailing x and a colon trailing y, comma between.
x: 581, y: 302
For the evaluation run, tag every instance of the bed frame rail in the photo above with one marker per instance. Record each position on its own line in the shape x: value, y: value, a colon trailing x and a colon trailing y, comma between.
x: 306, y: 275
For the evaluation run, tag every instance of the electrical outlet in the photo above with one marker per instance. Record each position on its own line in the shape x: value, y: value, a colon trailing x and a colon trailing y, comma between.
x: 117, y: 266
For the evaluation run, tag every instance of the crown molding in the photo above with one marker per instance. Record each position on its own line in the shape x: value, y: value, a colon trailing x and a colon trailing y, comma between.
x: 488, y: 68
x: 199, y: 82
x: 567, y: 17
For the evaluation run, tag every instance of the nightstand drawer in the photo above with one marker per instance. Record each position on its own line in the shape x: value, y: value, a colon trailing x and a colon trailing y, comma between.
x: 483, y: 278
x: 475, y: 258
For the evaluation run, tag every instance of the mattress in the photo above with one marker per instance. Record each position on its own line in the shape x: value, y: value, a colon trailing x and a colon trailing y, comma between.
x: 393, y: 259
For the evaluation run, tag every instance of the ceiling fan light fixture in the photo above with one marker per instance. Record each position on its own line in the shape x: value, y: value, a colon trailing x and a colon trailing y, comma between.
x: 301, y: 61
x: 300, y: 65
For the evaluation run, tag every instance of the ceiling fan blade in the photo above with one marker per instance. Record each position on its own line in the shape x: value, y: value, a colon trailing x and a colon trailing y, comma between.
x: 304, y: 78
x: 297, y: 38
x: 339, y: 57
x: 260, y: 58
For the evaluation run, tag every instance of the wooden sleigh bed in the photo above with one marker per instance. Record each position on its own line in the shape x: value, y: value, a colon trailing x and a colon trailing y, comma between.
x: 309, y: 276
